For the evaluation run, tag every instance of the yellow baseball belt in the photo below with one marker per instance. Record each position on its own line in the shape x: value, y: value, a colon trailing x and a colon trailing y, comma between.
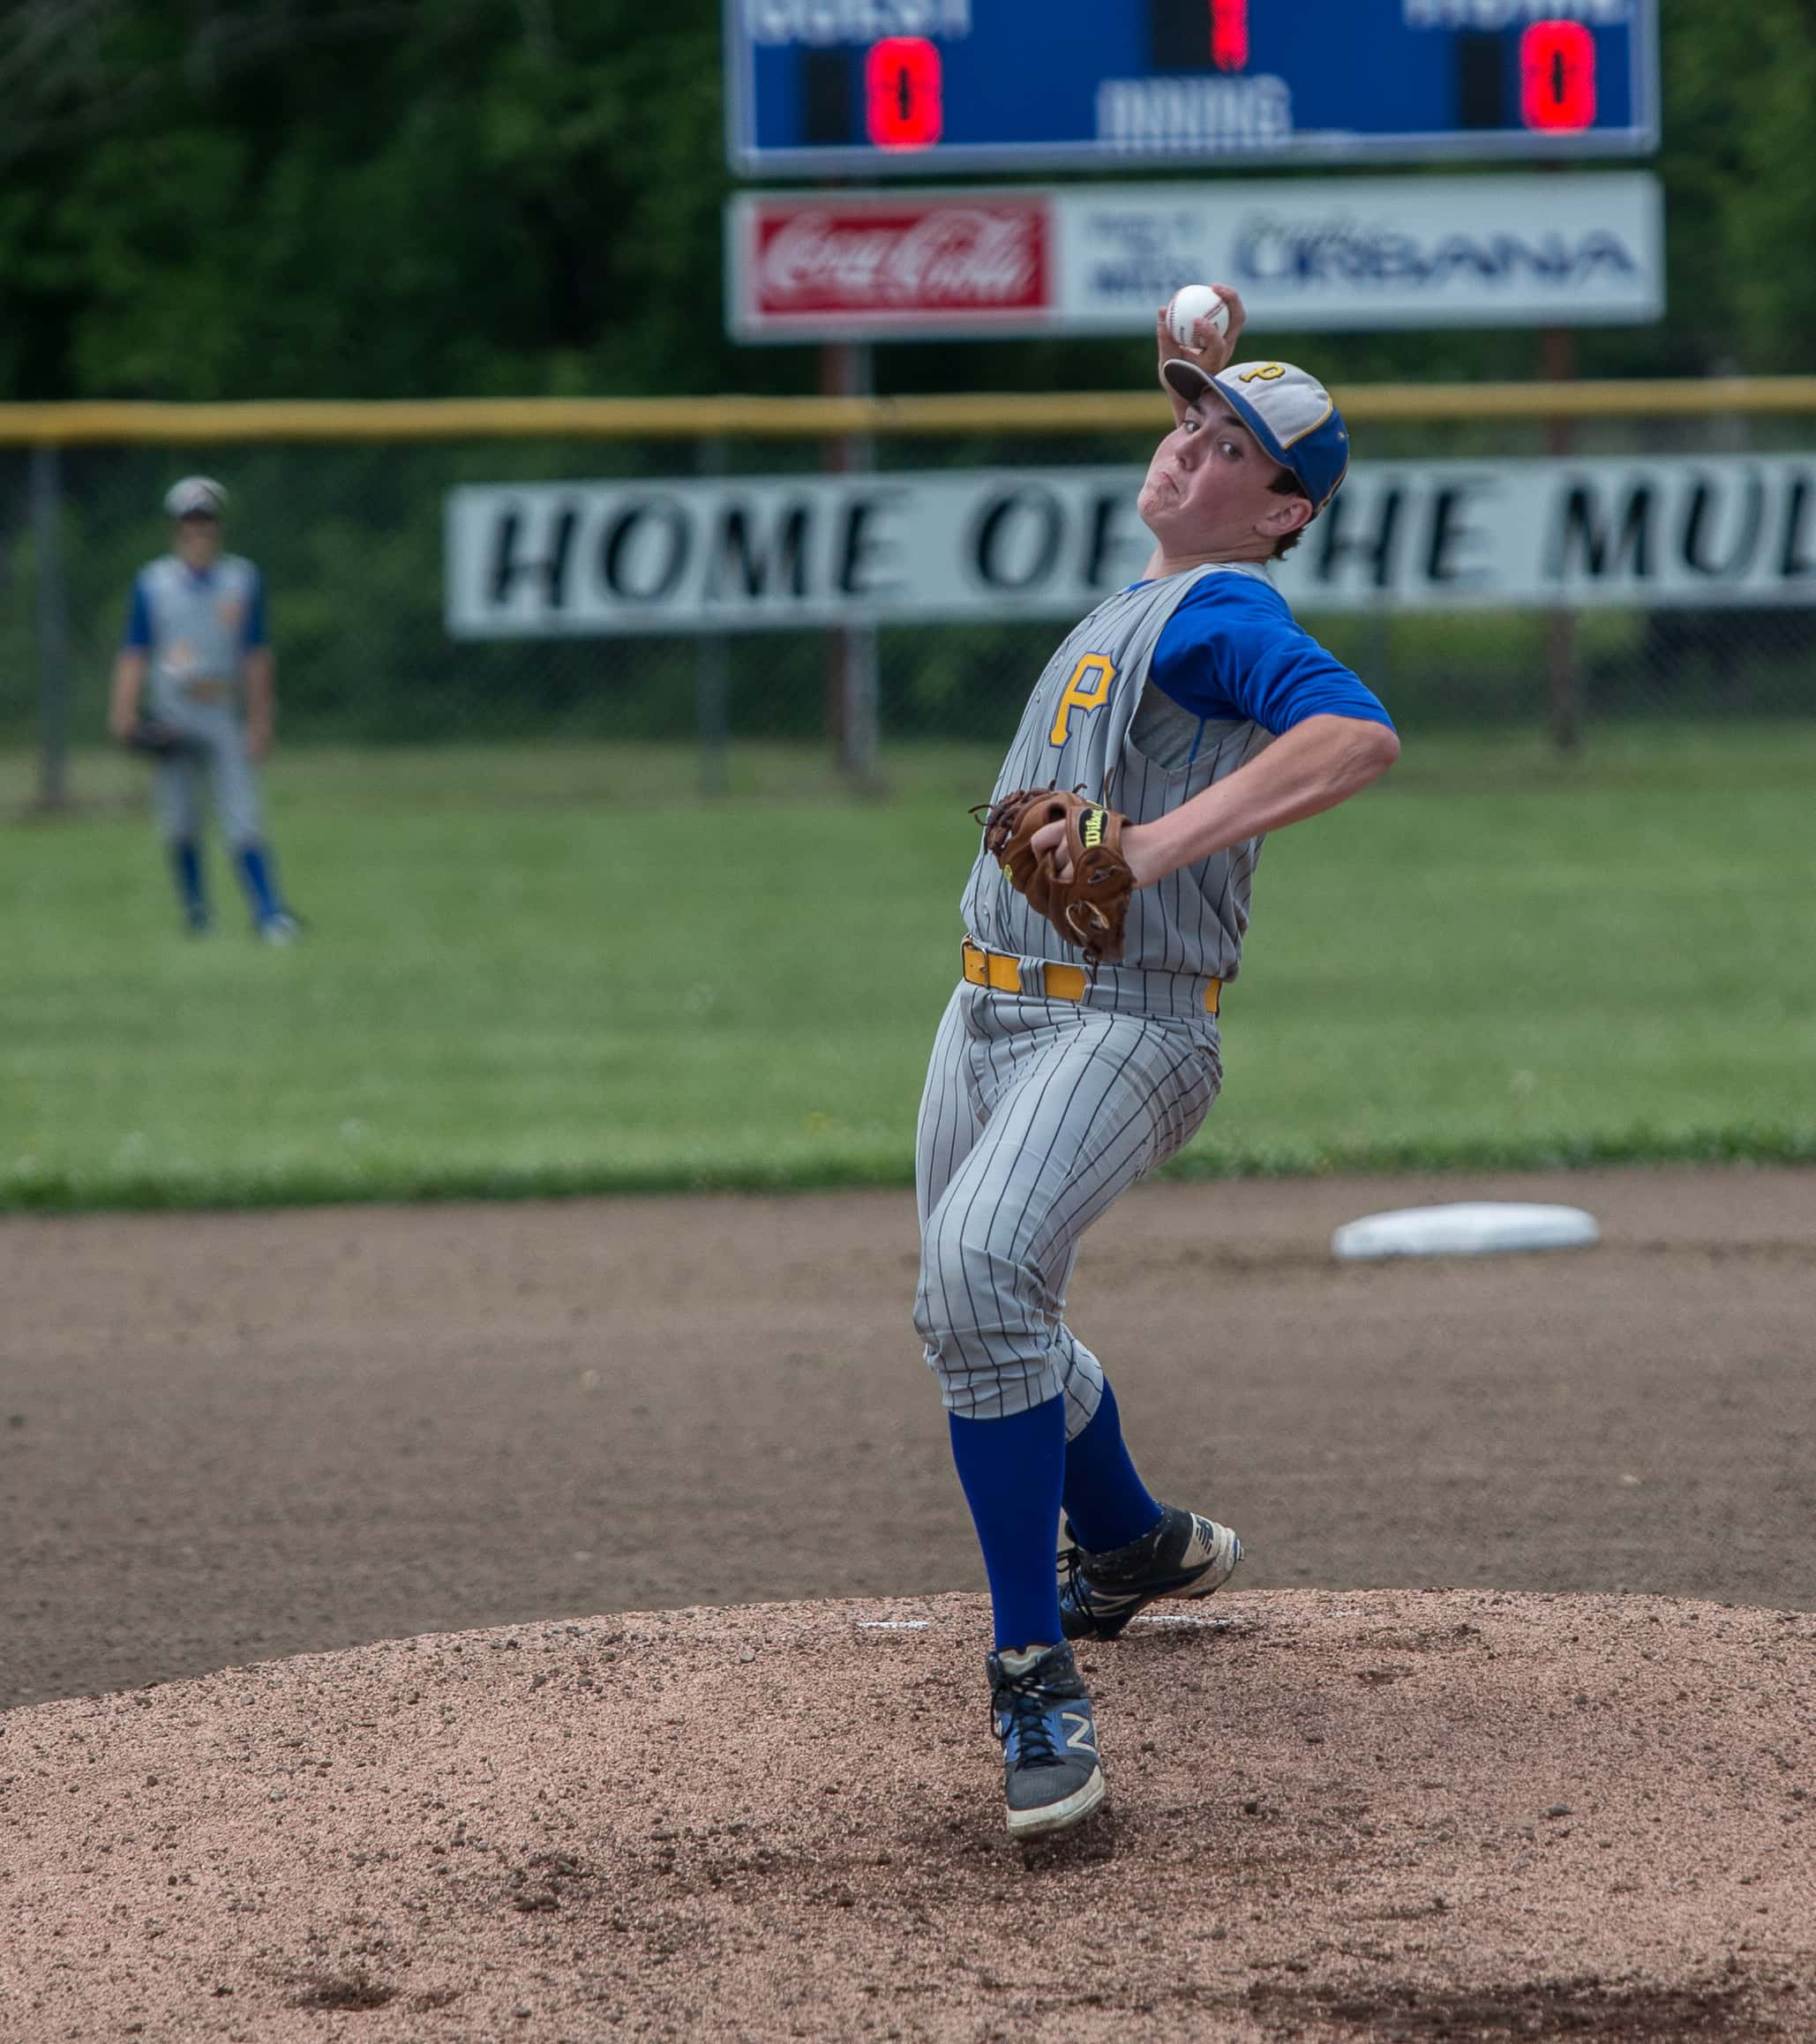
x: 1002, y: 971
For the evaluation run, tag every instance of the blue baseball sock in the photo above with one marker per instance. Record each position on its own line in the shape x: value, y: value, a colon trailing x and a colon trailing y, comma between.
x: 1011, y: 1471
x: 254, y: 861
x: 1106, y: 1503
x: 186, y: 866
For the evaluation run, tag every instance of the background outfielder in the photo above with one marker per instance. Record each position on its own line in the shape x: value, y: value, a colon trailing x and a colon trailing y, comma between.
x: 195, y: 687
x: 1195, y: 706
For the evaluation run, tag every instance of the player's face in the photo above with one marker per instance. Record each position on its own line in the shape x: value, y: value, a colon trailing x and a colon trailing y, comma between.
x: 1208, y: 489
x: 199, y: 539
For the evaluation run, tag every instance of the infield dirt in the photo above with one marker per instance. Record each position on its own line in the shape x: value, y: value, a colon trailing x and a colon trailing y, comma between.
x: 1567, y: 1796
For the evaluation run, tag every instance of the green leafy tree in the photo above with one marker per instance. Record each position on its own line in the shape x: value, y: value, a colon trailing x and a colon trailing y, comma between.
x: 272, y: 198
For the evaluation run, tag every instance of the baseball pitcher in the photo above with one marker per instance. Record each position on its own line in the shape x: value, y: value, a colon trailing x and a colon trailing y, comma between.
x: 1181, y: 721
x: 195, y: 690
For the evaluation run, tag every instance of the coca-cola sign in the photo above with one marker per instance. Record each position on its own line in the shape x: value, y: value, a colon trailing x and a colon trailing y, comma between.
x: 824, y: 263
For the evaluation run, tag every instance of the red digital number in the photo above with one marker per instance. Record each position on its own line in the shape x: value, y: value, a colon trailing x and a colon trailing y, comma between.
x: 1557, y: 75
x: 902, y: 76
x: 1230, y: 33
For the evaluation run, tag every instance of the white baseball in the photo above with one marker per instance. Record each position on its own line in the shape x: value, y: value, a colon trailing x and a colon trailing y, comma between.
x: 1192, y: 303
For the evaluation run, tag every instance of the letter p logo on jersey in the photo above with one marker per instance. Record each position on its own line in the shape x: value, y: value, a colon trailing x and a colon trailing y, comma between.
x: 1089, y: 689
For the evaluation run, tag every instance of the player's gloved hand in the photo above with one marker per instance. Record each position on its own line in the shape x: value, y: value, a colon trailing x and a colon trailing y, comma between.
x: 154, y: 740
x: 1147, y: 866
x: 1078, y: 876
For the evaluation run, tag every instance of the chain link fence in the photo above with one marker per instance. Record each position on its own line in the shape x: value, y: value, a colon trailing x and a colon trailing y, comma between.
x: 351, y: 538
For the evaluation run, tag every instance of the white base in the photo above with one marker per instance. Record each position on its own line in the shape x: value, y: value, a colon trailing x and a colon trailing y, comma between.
x: 1470, y: 1228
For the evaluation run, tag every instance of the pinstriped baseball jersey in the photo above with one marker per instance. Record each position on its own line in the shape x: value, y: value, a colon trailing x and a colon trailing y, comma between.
x: 198, y: 624
x: 1093, y: 722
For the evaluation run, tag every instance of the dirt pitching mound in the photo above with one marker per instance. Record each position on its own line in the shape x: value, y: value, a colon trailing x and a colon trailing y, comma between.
x: 1452, y: 1814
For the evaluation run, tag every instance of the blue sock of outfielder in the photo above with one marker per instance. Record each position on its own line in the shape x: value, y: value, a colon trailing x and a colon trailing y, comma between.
x: 1106, y: 1503
x: 254, y: 862
x: 186, y: 866
x: 1011, y: 1471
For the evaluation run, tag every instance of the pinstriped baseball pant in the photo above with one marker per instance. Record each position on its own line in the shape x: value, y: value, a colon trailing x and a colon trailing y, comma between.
x: 1037, y: 1116
x: 175, y: 782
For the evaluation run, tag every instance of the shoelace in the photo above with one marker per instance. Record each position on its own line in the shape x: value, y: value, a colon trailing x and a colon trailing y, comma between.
x: 1072, y: 1583
x: 1027, y: 1704
x: 1073, y: 1580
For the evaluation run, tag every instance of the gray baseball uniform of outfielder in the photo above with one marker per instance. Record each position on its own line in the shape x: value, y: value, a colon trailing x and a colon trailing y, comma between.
x: 1040, y: 1112
x: 194, y: 632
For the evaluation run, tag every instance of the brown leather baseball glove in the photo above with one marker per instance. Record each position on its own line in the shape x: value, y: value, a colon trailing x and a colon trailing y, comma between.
x: 1089, y: 909
x: 154, y: 740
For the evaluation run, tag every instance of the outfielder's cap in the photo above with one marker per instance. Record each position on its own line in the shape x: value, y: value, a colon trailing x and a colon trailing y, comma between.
x: 1290, y: 412
x: 195, y: 496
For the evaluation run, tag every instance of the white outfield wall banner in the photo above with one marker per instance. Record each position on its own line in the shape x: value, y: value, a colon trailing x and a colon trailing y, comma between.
x: 1584, y: 248
x: 534, y: 560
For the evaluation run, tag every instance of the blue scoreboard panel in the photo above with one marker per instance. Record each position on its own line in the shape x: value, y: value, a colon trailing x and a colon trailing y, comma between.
x: 889, y: 88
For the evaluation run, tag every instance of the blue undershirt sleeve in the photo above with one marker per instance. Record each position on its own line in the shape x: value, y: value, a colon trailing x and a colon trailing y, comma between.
x: 136, y: 637
x: 1233, y: 651
x: 256, y: 635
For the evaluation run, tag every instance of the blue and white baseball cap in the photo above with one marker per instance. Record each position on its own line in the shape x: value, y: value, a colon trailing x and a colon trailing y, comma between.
x: 195, y: 496
x: 1290, y: 412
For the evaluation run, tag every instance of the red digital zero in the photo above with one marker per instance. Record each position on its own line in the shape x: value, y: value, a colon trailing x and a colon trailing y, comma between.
x: 1557, y: 76
x: 902, y: 80
x: 1230, y: 33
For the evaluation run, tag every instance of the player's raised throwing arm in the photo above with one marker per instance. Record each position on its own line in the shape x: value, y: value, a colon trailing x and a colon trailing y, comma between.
x: 1204, y: 343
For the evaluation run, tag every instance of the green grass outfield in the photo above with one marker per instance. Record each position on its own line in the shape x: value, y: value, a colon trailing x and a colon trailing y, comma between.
x: 542, y: 972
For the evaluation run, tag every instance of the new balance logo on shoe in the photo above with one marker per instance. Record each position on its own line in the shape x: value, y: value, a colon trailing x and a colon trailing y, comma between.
x: 1082, y: 1738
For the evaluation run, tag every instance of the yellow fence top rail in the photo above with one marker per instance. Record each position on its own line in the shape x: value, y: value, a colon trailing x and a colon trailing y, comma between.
x: 732, y: 417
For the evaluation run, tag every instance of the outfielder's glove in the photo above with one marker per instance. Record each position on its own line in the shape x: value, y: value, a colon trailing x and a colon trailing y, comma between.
x: 1090, y: 908
x: 157, y: 741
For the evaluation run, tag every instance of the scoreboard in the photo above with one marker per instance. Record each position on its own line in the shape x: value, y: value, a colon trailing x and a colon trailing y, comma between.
x: 876, y: 88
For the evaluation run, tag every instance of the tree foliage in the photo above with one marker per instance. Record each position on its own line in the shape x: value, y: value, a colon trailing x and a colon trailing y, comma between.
x: 230, y: 198
x: 254, y: 197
